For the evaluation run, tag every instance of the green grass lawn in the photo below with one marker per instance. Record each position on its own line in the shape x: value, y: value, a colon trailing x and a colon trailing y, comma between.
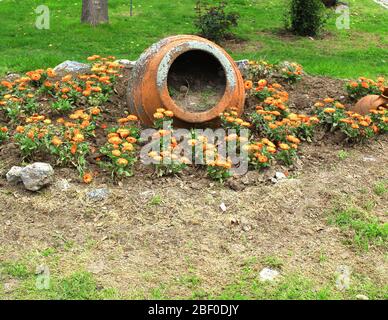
x: 362, y: 50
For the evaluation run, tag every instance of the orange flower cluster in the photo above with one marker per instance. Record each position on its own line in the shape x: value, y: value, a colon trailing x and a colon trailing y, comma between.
x: 363, y: 87
x: 230, y: 120
x: 120, y: 150
x: 354, y: 125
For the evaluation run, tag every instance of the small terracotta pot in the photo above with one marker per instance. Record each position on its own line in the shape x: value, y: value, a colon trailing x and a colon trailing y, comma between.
x: 371, y: 102
x: 149, y: 84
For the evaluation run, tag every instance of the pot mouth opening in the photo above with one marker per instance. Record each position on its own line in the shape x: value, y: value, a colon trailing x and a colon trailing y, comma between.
x: 196, y: 81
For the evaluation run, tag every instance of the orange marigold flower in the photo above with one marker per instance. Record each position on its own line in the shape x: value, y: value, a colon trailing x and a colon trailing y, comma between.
x: 127, y: 146
x: 56, y: 141
x: 248, y: 85
x: 73, y: 149
x: 284, y: 146
x: 365, y: 85
x: 329, y: 110
x: 115, y: 140
x: 123, y: 133
x: 132, y: 117
x: 262, y: 159
x: 66, y: 78
x: 95, y: 111
x: 19, y: 129
x: 35, y: 76
x: 51, y: 73
x: 79, y: 137
x: 87, y: 178
x: 116, y: 153
x: 293, y: 139
x: 131, y: 140
x: 328, y: 100
x: 158, y: 115
x: 122, y: 162
x: 169, y: 113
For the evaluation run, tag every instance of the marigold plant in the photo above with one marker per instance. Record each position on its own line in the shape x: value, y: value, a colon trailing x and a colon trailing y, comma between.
x: 363, y: 87
x: 219, y: 169
x: 291, y: 71
x: 4, y: 134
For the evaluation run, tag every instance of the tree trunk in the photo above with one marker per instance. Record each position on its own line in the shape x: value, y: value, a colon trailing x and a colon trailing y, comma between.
x: 94, y: 12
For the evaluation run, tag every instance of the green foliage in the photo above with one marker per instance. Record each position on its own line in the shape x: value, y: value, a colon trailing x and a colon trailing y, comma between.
x: 273, y: 262
x: 343, y: 155
x: 78, y: 286
x: 367, y: 230
x: 381, y: 188
x: 213, y: 22
x: 14, y: 269
x: 62, y: 105
x: 305, y: 17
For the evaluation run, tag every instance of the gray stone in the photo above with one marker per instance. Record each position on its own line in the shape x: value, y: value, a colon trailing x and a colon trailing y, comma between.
x: 98, y: 194
x: 369, y: 159
x: 280, y: 176
x: 37, y: 175
x: 243, y: 65
x: 72, y: 67
x: 126, y: 63
x: 63, y: 185
x: 223, y: 207
x: 268, y: 274
x: 13, y: 175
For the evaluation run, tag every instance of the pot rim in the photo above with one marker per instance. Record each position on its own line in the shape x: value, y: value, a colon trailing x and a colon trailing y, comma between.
x: 164, y: 69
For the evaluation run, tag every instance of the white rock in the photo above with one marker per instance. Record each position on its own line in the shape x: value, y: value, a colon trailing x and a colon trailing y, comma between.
x: 72, y: 67
x: 268, y: 274
x: 280, y: 176
x: 13, y: 175
x: 369, y: 159
x: 98, y: 194
x: 361, y: 297
x: 34, y: 176
x: 223, y: 207
x: 37, y: 175
x: 126, y: 62
x: 63, y: 185
x: 274, y: 180
x: 243, y: 65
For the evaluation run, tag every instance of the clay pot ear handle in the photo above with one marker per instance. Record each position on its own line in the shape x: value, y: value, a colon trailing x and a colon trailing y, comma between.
x: 385, y: 93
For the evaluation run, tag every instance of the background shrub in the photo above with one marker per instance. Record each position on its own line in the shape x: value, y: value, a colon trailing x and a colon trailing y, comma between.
x: 305, y: 17
x: 213, y: 22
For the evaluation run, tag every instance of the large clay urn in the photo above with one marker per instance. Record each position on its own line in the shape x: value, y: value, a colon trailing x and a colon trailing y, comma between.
x: 371, y: 102
x: 191, y: 76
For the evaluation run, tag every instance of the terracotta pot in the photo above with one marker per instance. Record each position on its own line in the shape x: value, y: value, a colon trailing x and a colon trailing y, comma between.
x: 180, y: 68
x: 371, y: 102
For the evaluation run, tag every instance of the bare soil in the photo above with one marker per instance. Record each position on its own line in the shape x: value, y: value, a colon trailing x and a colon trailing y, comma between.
x: 134, y: 243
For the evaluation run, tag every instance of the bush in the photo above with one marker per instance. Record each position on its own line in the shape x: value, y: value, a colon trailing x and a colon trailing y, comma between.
x: 213, y: 22
x: 305, y: 17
